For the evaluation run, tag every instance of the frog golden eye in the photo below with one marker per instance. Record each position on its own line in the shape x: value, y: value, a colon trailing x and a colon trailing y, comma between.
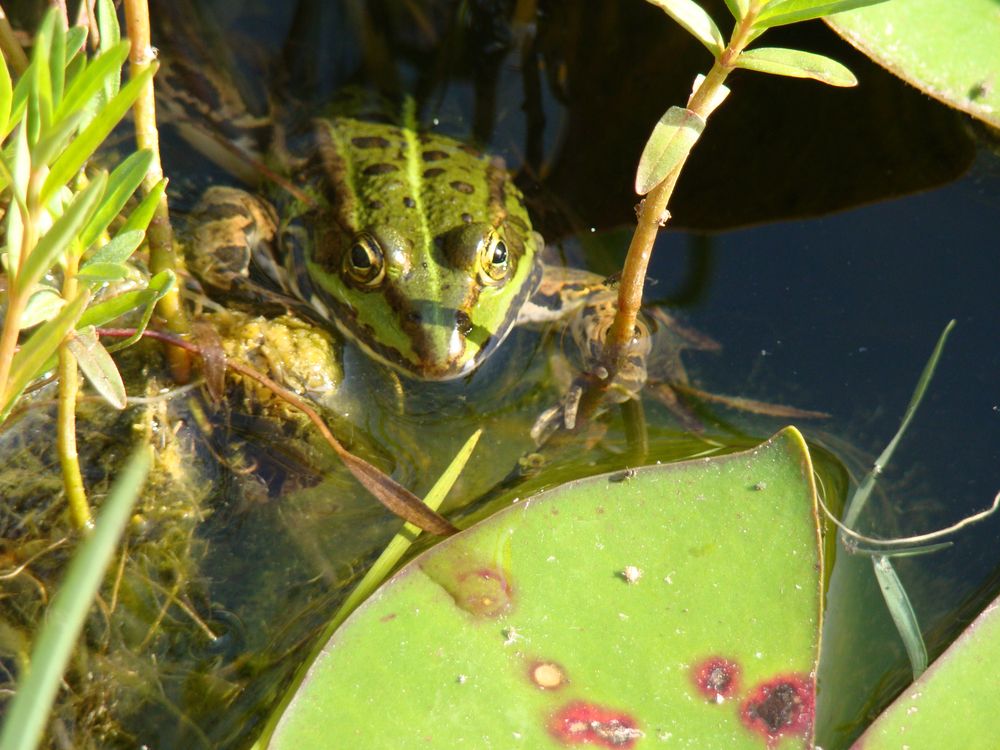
x: 364, y: 262
x: 494, y: 259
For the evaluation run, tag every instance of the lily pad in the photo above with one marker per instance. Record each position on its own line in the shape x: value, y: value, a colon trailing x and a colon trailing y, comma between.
x: 948, y: 49
x: 677, y: 602
x: 954, y: 703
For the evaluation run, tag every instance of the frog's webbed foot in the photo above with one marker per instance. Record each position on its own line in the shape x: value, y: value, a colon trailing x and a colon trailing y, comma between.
x: 594, y: 389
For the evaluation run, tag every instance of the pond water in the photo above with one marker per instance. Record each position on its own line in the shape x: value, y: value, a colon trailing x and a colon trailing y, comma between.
x: 822, y: 237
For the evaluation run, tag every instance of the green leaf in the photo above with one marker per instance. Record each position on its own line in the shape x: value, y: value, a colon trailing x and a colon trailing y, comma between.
x: 53, y: 141
x: 33, y: 356
x: 41, y: 92
x: 738, y: 8
x: 57, y: 63
x: 636, y: 598
x: 6, y: 96
x: 143, y: 213
x: 29, y: 709
x: 902, y: 612
x: 160, y: 285
x: 18, y: 174
x: 121, y: 185
x: 98, y: 366
x: 99, y: 73
x: 75, y: 37
x: 672, y: 140
x: 19, y: 101
x: 110, y: 33
x: 947, y: 49
x: 109, y: 310
x: 695, y: 21
x: 954, y: 703
x: 118, y: 250
x: 43, y: 304
x: 797, y: 64
x: 781, y: 12
x: 93, y: 135
x: 99, y: 273
x: 55, y: 241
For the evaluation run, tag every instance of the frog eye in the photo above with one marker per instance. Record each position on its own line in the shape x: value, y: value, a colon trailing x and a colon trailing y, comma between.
x: 494, y: 259
x: 364, y: 262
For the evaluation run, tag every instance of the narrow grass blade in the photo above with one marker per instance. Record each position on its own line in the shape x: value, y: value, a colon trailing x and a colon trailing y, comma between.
x: 861, y: 495
x: 30, y: 706
x: 902, y: 613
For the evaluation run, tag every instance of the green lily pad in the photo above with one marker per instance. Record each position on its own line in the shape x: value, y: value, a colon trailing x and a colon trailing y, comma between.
x: 676, y: 602
x: 954, y: 702
x: 949, y: 49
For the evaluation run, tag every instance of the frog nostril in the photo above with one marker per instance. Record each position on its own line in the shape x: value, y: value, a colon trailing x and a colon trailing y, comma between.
x: 414, y: 316
x: 463, y: 323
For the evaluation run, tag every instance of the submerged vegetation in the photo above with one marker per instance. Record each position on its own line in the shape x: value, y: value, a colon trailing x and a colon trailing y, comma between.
x: 167, y: 655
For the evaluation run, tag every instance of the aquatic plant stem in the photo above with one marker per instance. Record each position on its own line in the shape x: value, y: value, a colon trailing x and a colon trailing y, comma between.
x: 652, y: 212
x: 162, y: 253
x: 386, y: 490
x: 69, y: 386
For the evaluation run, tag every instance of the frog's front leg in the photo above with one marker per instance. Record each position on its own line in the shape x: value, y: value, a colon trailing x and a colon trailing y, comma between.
x: 587, y: 305
x: 231, y: 230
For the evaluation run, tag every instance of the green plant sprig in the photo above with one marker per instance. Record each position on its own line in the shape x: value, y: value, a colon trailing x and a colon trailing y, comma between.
x: 57, y: 248
x: 679, y: 128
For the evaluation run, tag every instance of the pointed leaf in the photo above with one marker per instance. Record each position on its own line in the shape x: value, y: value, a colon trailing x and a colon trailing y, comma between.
x: 41, y: 93
x: 18, y: 102
x: 55, y: 241
x: 672, y: 139
x: 57, y: 63
x: 143, y: 213
x: 6, y: 95
x: 34, y: 355
x: 43, y: 304
x: 108, y: 310
x: 53, y: 141
x: 17, y: 173
x: 738, y: 8
x: 110, y: 35
x: 695, y: 21
x: 797, y: 64
x: 98, y: 366
x: 99, y: 72
x: 784, y: 12
x: 100, y: 273
x: 75, y: 37
x: 119, y: 250
x: 93, y: 135
x: 122, y: 183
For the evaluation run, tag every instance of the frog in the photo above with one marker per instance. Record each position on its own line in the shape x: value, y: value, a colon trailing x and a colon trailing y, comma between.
x: 414, y: 246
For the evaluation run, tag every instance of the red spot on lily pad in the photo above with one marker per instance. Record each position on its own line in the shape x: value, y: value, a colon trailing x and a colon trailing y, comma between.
x: 716, y: 678
x: 782, y: 706
x: 581, y: 723
x: 484, y: 592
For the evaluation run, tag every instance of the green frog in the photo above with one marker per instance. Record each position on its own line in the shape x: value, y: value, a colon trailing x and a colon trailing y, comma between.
x: 415, y: 246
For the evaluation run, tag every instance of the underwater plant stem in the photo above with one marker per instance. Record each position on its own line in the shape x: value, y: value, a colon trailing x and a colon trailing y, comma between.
x: 69, y: 387
x: 384, y: 488
x: 10, y: 47
x: 652, y: 212
x: 162, y: 253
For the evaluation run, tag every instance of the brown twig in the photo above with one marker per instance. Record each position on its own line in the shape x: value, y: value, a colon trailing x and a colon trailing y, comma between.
x: 387, y: 491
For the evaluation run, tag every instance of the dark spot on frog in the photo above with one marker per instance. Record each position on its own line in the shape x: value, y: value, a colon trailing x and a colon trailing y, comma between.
x: 370, y: 141
x: 381, y: 168
x: 435, y: 155
x: 467, y: 218
x: 409, y: 202
x: 432, y: 172
x: 463, y: 323
x: 375, y: 205
x: 470, y: 149
x: 462, y: 187
x: 414, y: 316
